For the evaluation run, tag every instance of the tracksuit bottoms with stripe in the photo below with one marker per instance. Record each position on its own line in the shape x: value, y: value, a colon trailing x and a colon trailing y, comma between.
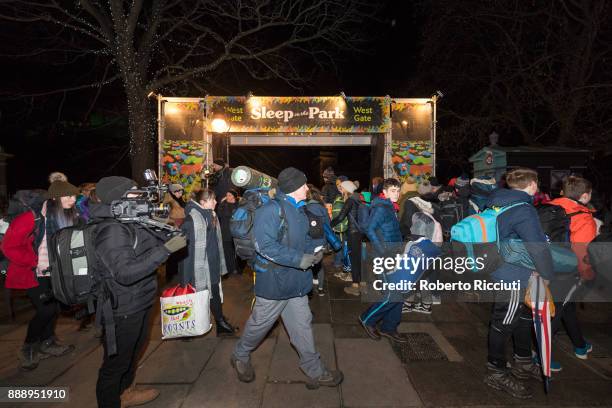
x: 510, y: 317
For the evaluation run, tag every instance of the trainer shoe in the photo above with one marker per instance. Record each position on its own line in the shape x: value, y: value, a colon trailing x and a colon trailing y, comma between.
x: 133, y: 397
x: 436, y: 299
x: 371, y: 331
x: 245, y: 371
x: 329, y: 378
x: 347, y: 277
x: 352, y: 290
x: 30, y: 356
x: 422, y: 308
x: 407, y: 307
x: 555, y: 366
x: 500, y: 379
x: 583, y: 352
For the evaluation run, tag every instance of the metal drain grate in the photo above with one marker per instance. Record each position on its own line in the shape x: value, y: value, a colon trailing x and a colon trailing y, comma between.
x: 419, y: 347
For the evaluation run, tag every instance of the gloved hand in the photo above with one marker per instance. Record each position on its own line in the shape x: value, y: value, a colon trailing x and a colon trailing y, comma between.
x: 175, y: 243
x: 307, y: 261
x: 318, y: 256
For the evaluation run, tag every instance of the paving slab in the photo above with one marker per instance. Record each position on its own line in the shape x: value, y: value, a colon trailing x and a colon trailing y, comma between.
x: 218, y: 385
x: 347, y: 311
x: 170, y: 396
x: 176, y: 361
x: 49, y: 368
x: 297, y: 396
x: 373, y: 375
x: 285, y: 361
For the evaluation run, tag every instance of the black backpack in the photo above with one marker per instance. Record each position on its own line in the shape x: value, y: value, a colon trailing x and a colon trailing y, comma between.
x: 555, y: 222
x: 449, y: 213
x: 75, y: 277
x: 241, y: 223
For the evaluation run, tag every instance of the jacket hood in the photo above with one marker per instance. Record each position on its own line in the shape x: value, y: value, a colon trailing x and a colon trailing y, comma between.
x: 100, y: 210
x: 382, y: 201
x: 571, y: 206
x: 502, y: 197
x: 482, y: 187
x: 422, y: 205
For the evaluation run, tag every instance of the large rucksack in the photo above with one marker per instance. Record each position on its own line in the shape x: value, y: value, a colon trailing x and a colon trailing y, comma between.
x: 241, y: 223
x: 336, y: 208
x: 555, y: 222
x: 73, y: 264
x: 425, y: 225
x: 449, y: 212
x: 476, y: 238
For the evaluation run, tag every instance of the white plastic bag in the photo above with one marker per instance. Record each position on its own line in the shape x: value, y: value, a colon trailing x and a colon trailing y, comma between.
x: 184, y: 312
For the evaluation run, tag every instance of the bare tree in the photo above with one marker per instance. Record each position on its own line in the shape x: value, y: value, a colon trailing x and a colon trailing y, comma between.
x: 164, y: 45
x: 539, y: 69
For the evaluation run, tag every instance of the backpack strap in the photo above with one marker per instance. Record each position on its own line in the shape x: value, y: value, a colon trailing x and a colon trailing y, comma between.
x: 500, y: 212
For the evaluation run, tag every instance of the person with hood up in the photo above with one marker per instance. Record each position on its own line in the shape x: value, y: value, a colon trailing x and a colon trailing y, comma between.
x: 129, y: 255
x: 205, y: 262
x: 510, y: 316
x: 350, y: 211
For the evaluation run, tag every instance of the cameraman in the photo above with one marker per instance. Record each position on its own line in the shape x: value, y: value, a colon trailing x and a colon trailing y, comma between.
x: 284, y: 279
x: 128, y: 256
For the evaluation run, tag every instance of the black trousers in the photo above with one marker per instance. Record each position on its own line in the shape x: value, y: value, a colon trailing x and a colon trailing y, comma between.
x: 42, y: 325
x: 230, y: 256
x: 118, y: 371
x: 567, y: 316
x: 510, y: 317
x: 354, y: 243
x: 215, y: 302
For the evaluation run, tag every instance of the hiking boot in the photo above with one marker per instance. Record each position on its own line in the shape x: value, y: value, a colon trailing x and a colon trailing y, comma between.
x: 583, y: 352
x: 224, y: 328
x: 422, y: 308
x: 394, y: 336
x: 352, y: 290
x: 133, y: 396
x: 501, y: 380
x: 524, y: 369
x: 30, y: 356
x: 327, y: 379
x: 245, y: 371
x: 52, y: 348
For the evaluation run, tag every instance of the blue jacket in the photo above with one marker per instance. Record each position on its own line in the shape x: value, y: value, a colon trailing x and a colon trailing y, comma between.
x: 383, y: 224
x: 520, y: 222
x: 280, y: 249
x: 317, y: 209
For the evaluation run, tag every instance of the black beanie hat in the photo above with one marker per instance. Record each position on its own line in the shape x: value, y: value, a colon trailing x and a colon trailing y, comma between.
x: 290, y: 179
x: 109, y: 189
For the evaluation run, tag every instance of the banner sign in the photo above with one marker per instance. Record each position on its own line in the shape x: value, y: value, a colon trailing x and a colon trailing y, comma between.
x: 412, y: 145
x: 302, y: 114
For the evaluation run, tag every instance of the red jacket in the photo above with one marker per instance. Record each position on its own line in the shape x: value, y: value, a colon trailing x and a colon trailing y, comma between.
x: 17, y: 246
x: 582, y: 231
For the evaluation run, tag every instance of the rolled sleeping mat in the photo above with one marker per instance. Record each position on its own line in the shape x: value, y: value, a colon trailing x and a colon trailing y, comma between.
x: 248, y: 178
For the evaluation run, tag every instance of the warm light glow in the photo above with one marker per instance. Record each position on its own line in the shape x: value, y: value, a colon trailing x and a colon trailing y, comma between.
x: 171, y: 109
x: 254, y: 101
x: 219, y: 125
x: 404, y: 122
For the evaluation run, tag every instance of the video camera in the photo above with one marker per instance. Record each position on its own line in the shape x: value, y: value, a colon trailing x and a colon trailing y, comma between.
x: 143, y: 205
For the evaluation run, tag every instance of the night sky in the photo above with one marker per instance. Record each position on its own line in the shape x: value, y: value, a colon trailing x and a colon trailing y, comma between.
x: 68, y: 133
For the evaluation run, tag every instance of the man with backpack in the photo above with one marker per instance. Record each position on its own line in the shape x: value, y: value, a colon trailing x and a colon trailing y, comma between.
x: 127, y: 257
x: 510, y: 317
x: 384, y: 234
x: 577, y: 227
x: 285, y: 256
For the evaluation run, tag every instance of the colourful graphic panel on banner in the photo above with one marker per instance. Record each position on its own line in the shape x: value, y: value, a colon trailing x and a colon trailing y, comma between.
x: 412, y: 147
x: 333, y: 114
x: 182, y: 163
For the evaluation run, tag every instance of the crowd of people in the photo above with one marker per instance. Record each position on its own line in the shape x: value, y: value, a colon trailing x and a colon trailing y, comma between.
x: 289, y: 239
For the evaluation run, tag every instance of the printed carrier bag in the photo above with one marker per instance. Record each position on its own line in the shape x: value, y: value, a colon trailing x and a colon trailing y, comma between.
x: 184, y: 312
